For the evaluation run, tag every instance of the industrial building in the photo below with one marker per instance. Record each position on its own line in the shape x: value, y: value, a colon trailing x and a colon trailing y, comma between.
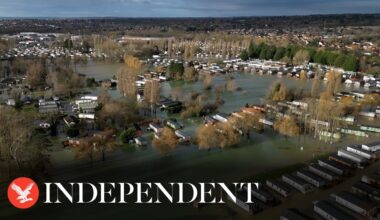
x: 297, y: 183
x: 334, y: 166
x: 311, y: 178
x: 352, y: 156
x: 323, y: 172
x: 329, y: 211
x: 355, y: 203
x: 361, y: 152
x: 293, y: 214
x: 366, y: 190
x: 279, y: 187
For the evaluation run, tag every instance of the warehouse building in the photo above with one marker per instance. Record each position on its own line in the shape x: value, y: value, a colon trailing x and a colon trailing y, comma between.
x: 311, y: 178
x: 293, y: 214
x: 367, y: 190
x: 334, y: 166
x: 355, y: 203
x: 323, y: 172
x: 361, y: 152
x: 329, y: 211
x: 297, y: 183
x: 279, y: 187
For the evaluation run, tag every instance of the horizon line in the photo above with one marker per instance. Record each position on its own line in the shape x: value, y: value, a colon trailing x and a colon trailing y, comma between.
x: 179, y: 17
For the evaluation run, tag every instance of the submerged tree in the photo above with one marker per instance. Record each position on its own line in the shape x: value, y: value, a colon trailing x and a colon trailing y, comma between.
x: 166, y: 142
x: 190, y: 74
x: 207, y: 137
x: 127, y: 76
x: 228, y: 136
x: 301, y: 57
x: 207, y: 81
x: 287, y: 126
x: 277, y: 92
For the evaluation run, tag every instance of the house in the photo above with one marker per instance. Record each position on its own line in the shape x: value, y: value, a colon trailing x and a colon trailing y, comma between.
x: 373, y: 147
x: 50, y: 107
x: 361, y: 152
x: 174, y: 124
x: 372, y: 179
x: 262, y: 195
x: 293, y: 214
x: 352, y: 156
x: 86, y: 106
x: 156, y: 128
x: 343, y: 160
x: 327, y: 210
x: 311, y: 178
x: 367, y: 190
x: 297, y: 183
x: 89, y: 116
x: 369, y: 128
x: 279, y: 187
x: 323, y: 172
x: 221, y: 117
x: 70, y: 120
x: 208, y: 120
x: 182, y: 136
x: 333, y: 166
x: 11, y: 102
x: 355, y: 203
x: 140, y: 141
x: 251, y: 208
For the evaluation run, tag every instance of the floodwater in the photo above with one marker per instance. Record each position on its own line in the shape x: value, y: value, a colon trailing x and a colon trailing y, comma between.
x: 266, y: 152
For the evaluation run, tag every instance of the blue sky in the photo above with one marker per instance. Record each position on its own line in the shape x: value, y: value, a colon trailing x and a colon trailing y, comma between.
x: 181, y: 8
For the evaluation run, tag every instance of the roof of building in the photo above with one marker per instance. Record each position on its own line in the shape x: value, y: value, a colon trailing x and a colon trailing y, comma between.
x: 332, y: 210
x: 356, y: 200
x: 294, y: 214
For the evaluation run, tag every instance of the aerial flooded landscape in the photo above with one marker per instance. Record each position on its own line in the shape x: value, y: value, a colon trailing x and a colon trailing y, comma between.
x: 183, y: 114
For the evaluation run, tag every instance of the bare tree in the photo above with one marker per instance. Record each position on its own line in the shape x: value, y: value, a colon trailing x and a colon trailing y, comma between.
x: 36, y: 75
x: 152, y: 93
x: 315, y: 87
x: 18, y: 139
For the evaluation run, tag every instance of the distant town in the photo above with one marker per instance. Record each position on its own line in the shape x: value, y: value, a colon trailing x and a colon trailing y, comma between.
x: 295, y: 108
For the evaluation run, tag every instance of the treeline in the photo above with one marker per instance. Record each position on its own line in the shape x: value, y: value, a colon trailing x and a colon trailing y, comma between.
x: 292, y: 53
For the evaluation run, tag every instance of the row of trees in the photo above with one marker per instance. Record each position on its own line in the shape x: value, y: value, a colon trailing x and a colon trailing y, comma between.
x: 298, y: 55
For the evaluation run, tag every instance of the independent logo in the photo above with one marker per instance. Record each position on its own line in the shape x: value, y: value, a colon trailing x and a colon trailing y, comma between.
x: 23, y: 193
